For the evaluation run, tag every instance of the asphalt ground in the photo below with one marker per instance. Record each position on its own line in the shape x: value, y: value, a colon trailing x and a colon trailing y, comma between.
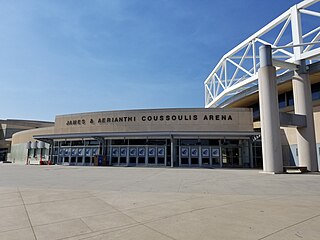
x: 64, y: 202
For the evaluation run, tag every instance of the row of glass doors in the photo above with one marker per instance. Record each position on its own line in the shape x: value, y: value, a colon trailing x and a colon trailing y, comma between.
x: 210, y: 156
x: 138, y: 155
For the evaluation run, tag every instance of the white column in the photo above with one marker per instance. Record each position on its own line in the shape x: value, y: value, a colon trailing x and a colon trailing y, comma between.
x: 269, y: 113
x: 307, y: 153
x: 172, y: 150
x: 200, y: 156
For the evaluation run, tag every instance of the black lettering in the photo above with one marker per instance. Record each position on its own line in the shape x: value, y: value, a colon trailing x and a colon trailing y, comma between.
x: 125, y: 119
x: 129, y: 119
x: 174, y: 117
x: 161, y: 118
x: 168, y: 118
x: 91, y: 121
x: 195, y: 117
x: 229, y: 117
x: 180, y: 117
x: 99, y: 120
x: 218, y: 117
x: 104, y: 120
x: 74, y: 122
x: 116, y: 119
x: 120, y: 119
x: 155, y: 118
x: 149, y: 118
x: 223, y: 117
x: 211, y: 117
x: 108, y: 120
x: 83, y: 122
x: 143, y: 118
x: 205, y: 117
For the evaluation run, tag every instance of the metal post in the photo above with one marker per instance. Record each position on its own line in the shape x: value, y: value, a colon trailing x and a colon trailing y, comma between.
x: 307, y: 153
x: 269, y: 113
x: 172, y: 150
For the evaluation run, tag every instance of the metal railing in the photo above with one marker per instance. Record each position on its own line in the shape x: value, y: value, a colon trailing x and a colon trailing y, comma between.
x: 293, y: 36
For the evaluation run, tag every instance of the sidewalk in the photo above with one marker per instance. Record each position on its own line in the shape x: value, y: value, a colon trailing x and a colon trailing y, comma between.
x: 58, y: 202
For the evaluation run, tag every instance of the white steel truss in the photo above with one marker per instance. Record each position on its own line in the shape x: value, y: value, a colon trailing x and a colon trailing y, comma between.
x: 294, y: 35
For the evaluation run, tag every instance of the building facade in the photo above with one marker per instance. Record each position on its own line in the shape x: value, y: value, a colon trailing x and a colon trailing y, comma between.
x: 161, y: 137
x: 9, y: 127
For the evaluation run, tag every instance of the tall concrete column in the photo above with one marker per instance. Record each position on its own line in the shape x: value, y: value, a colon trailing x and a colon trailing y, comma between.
x: 269, y: 113
x: 307, y: 152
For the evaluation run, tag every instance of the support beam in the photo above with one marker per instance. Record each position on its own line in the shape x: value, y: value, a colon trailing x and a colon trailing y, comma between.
x: 292, y: 120
x: 269, y: 113
x: 283, y: 64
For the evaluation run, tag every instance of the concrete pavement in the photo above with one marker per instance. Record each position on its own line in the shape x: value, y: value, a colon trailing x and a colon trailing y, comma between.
x: 59, y: 202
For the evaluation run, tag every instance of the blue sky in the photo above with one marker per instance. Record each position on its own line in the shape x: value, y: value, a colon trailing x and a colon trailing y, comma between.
x: 70, y: 56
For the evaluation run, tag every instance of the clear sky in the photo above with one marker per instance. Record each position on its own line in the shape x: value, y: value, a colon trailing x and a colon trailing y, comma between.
x: 70, y: 56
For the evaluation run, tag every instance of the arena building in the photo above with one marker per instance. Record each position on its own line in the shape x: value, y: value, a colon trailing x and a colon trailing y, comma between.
x: 162, y: 137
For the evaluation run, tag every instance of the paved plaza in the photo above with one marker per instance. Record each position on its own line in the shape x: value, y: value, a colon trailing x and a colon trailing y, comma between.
x: 60, y: 202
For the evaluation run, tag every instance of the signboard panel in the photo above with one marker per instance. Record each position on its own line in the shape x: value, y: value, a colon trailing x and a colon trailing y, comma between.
x: 61, y: 152
x: 141, y: 151
x: 66, y: 151
x: 205, y: 152
x: 194, y: 152
x: 184, y: 152
x: 197, y: 119
x: 161, y: 151
x: 133, y: 152
x: 123, y: 152
x: 74, y: 152
x: 80, y: 151
x: 151, y: 151
x: 115, y: 152
x: 95, y: 151
x: 215, y: 152
x: 88, y: 152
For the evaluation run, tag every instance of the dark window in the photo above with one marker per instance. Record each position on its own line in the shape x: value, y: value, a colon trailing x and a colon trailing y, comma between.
x: 160, y: 160
x: 214, y: 142
x: 188, y: 142
x: 282, y: 100
x: 138, y: 141
x: 255, y: 111
x: 315, y: 89
x: 91, y: 143
x: 119, y: 142
x: 77, y: 143
x: 65, y: 143
x: 156, y: 142
x: 184, y: 161
x: 290, y: 100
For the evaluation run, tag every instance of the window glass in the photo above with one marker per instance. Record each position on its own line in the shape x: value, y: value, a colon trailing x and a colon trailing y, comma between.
x: 315, y: 89
x: 282, y: 100
x: 290, y: 101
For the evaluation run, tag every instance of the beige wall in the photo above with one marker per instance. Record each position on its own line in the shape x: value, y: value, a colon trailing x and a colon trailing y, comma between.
x: 26, y: 136
x: 290, y: 133
x: 161, y: 120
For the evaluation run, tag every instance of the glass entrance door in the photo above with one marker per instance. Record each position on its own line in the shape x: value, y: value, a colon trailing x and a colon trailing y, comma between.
x: 231, y: 157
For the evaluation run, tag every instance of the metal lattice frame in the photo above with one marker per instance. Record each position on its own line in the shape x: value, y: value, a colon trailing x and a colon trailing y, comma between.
x: 292, y: 40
